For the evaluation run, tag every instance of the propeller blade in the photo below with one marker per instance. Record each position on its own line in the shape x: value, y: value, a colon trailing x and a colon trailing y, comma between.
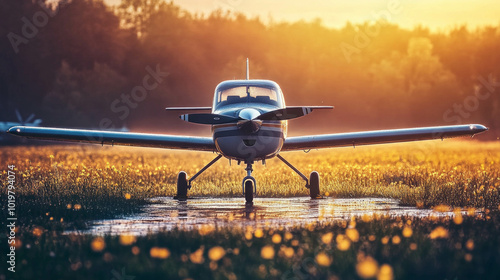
x: 29, y: 118
x: 208, y: 118
x: 289, y: 113
x: 19, y: 118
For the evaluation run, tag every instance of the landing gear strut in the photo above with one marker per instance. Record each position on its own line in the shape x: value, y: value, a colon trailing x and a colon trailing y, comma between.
x: 183, y: 185
x: 249, y: 184
x: 312, y: 183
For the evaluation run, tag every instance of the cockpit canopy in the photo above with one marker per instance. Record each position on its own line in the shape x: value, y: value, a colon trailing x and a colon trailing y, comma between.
x: 248, y: 91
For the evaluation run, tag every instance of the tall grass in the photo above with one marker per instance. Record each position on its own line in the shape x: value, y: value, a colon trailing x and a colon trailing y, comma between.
x: 423, y: 174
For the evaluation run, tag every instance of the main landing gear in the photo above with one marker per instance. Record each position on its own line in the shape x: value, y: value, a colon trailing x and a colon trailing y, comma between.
x: 183, y: 185
x: 312, y: 184
x: 249, y: 184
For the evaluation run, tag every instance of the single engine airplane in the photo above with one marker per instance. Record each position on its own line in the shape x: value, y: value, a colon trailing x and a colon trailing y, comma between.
x: 249, y: 124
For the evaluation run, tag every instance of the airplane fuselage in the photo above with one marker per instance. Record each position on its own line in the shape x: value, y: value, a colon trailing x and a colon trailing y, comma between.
x: 249, y: 139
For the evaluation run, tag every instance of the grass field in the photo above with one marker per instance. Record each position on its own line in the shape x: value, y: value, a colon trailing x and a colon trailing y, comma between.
x: 464, y: 174
x: 63, y: 187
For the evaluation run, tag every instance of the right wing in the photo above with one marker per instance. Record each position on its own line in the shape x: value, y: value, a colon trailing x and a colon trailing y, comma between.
x: 116, y: 138
x: 379, y: 136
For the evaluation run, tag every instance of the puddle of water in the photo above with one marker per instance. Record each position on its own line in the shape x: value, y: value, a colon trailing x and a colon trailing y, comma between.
x: 165, y: 213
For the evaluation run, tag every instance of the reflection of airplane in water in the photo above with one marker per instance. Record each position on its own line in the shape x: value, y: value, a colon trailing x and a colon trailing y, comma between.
x: 6, y: 138
x: 249, y: 121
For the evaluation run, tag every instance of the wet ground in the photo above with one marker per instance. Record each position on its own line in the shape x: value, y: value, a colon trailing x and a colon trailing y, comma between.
x: 166, y: 213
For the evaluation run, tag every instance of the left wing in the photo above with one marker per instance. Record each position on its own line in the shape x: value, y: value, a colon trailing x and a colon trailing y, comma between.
x: 379, y: 136
x: 116, y: 138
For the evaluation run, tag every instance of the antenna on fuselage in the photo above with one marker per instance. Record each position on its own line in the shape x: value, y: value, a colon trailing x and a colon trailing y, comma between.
x: 248, y: 71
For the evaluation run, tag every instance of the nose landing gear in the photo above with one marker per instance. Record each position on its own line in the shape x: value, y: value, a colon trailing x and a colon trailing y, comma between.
x: 249, y: 185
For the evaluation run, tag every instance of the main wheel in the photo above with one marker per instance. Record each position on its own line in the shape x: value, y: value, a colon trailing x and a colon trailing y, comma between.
x: 314, y: 185
x: 249, y: 191
x: 182, y: 186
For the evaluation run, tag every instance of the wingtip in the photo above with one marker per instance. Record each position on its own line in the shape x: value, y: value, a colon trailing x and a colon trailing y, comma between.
x: 14, y: 130
x: 478, y: 128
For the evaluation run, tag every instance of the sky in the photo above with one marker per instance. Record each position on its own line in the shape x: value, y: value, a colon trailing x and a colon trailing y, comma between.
x: 438, y: 15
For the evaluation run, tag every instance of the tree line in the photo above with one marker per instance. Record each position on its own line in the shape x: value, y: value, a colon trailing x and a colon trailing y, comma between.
x: 85, y: 64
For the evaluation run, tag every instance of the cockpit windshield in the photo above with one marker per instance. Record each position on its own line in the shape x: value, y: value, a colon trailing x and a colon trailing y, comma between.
x: 247, y: 94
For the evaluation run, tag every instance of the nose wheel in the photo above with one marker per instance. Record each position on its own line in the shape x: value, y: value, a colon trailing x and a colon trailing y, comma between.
x: 249, y: 189
x: 249, y: 185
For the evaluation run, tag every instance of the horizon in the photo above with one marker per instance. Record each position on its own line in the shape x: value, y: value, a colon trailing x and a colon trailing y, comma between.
x: 406, y: 14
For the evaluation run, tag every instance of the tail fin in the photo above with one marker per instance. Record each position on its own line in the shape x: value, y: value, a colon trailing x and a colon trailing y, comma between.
x: 248, y: 71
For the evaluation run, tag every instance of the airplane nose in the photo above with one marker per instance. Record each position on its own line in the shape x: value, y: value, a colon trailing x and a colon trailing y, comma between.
x: 248, y: 124
x: 249, y: 114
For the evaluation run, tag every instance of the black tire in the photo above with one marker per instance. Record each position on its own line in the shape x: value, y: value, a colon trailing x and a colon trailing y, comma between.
x: 182, y: 186
x: 314, y: 185
x: 249, y: 191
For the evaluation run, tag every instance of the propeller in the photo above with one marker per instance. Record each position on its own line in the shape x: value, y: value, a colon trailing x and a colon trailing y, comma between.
x: 27, y: 120
x: 19, y: 118
x: 208, y: 118
x: 252, y: 115
x: 286, y: 113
